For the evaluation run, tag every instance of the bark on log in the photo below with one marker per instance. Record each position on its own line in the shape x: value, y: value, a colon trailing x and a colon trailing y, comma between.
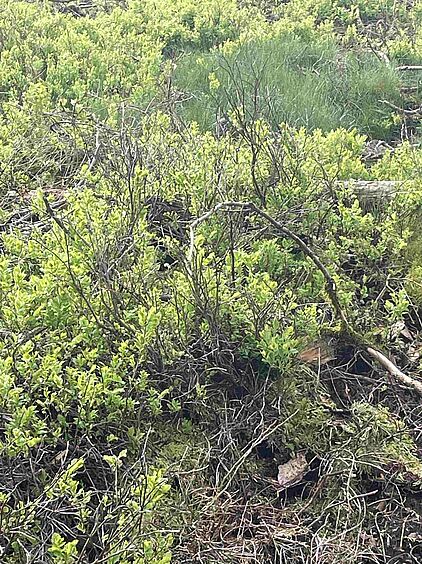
x: 373, y: 190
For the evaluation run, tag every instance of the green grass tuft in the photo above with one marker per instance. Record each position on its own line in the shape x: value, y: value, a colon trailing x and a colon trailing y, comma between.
x: 316, y: 86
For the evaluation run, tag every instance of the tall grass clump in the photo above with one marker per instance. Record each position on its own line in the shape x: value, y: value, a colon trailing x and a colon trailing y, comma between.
x: 317, y: 86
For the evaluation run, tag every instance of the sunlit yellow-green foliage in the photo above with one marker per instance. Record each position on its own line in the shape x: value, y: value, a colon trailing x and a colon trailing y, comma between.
x: 122, y: 322
x: 74, y: 363
x: 100, y: 62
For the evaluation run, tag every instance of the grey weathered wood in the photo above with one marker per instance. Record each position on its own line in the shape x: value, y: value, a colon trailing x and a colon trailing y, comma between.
x: 370, y: 190
x: 409, y: 68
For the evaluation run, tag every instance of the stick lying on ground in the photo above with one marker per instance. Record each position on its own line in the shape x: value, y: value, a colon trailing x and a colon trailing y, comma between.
x: 394, y: 371
x: 348, y: 331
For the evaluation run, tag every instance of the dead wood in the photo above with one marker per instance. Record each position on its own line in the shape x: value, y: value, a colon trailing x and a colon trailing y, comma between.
x: 372, y: 189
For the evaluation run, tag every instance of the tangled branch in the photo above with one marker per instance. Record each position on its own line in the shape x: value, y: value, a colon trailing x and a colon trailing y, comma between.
x: 347, y: 330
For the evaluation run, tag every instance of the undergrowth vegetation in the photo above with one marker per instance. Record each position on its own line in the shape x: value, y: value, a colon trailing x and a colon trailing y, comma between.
x: 192, y: 279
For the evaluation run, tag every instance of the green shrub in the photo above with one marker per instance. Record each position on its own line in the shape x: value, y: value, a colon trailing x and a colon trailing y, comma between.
x: 95, y: 63
x: 138, y: 347
x: 346, y: 10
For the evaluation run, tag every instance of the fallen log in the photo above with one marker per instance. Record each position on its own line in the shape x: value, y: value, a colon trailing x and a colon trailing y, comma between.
x: 370, y: 191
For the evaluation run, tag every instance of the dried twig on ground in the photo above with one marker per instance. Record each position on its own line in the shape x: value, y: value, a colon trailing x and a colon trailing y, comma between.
x: 413, y: 112
x: 395, y: 371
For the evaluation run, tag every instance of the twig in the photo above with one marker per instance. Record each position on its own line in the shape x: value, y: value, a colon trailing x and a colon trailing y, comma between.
x: 222, y: 205
x: 262, y: 437
x: 394, y: 371
x: 329, y: 281
x: 409, y: 68
x: 414, y: 112
x: 250, y: 206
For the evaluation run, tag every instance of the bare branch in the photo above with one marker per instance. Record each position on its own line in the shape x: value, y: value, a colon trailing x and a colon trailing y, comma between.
x: 394, y: 371
x: 409, y: 68
x: 404, y: 111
